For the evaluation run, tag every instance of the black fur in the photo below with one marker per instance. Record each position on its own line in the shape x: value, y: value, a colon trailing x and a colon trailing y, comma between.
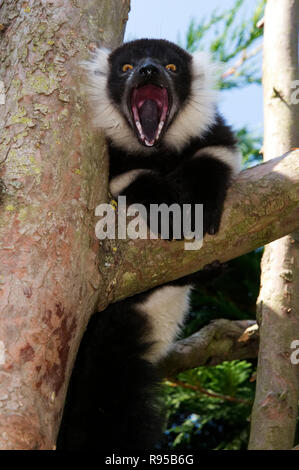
x: 112, y: 401
x: 112, y: 387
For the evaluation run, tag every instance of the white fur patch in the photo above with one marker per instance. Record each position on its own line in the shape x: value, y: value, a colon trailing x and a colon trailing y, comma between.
x: 120, y: 182
x: 231, y: 157
x: 166, y: 308
x: 105, y: 114
x: 199, y: 113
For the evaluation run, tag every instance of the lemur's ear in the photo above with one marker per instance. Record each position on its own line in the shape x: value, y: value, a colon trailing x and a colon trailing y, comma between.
x: 200, y: 110
x: 98, y: 62
x: 205, y: 69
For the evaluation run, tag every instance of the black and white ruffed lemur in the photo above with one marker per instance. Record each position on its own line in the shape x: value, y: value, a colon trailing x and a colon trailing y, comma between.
x: 168, y: 144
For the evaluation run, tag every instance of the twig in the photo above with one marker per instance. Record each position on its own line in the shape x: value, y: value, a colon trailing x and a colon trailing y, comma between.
x: 245, y: 56
x: 198, y: 388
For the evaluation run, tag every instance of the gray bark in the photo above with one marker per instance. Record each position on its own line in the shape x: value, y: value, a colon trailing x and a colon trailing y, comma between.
x: 221, y: 340
x: 274, y: 414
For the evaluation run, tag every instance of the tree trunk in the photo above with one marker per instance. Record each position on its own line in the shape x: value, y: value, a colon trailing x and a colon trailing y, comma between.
x: 275, y: 408
x: 55, y: 173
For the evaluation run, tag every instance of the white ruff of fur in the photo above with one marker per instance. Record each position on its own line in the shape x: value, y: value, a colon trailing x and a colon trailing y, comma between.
x: 232, y: 157
x: 193, y: 120
x: 198, y: 113
x: 105, y: 114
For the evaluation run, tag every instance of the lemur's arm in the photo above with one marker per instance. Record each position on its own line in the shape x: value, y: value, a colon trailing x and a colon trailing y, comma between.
x: 202, y: 179
x: 205, y: 179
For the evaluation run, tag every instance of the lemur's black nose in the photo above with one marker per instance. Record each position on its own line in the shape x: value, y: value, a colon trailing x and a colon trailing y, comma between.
x: 148, y: 70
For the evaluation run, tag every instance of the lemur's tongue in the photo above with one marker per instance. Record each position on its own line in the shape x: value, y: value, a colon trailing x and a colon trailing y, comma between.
x: 149, y: 107
x: 149, y: 119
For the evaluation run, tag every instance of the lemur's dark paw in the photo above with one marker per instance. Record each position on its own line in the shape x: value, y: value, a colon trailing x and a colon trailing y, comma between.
x: 215, y: 267
x: 211, y: 271
x: 211, y: 220
x: 206, y: 275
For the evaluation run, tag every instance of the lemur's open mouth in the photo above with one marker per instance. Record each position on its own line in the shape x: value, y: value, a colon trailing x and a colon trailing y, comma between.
x: 149, y: 105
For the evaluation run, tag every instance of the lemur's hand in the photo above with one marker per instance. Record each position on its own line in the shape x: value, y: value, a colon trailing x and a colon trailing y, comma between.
x: 154, y: 189
x: 204, y: 180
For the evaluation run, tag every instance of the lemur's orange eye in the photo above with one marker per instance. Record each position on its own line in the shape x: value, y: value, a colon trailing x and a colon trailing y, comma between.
x: 127, y: 67
x: 171, y: 67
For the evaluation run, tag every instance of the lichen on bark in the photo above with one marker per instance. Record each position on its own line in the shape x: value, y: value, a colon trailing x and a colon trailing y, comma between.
x: 55, y: 173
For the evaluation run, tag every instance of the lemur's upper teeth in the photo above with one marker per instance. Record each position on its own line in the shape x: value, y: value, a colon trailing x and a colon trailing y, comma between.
x: 160, y: 127
x: 138, y: 125
x: 161, y: 124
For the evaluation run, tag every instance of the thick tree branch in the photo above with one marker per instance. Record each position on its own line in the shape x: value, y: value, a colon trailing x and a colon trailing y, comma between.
x: 262, y: 205
x: 221, y: 340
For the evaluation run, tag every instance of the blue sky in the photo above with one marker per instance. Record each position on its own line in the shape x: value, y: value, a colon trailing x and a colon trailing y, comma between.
x: 169, y: 19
